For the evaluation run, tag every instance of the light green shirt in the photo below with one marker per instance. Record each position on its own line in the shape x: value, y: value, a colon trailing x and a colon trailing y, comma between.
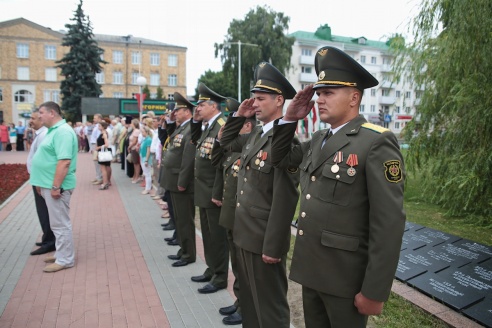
x: 59, y: 143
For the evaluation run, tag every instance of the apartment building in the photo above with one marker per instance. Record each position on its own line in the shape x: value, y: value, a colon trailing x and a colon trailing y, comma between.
x: 29, y: 76
x: 397, y: 101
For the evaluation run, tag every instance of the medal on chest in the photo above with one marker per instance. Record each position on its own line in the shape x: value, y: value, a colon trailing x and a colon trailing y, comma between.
x: 352, y: 161
x: 261, y: 158
x: 338, y: 158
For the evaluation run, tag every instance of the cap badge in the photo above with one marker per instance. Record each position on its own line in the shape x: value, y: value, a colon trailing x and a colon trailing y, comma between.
x: 323, y: 52
x: 262, y: 64
x: 258, y: 82
x: 321, y: 75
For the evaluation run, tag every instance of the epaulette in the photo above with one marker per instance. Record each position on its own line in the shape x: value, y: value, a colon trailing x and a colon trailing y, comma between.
x: 374, y: 127
x: 221, y: 121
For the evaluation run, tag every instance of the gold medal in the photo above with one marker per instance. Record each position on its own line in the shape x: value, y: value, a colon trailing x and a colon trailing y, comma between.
x: 234, y: 174
x: 335, y: 168
x: 257, y: 161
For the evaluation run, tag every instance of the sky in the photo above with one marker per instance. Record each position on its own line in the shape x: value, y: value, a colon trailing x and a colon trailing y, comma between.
x: 198, y: 24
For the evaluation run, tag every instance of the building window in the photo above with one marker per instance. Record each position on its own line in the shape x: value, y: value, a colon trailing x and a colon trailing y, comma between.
x: 22, y: 73
x: 117, y: 78
x: 153, y: 95
x: 373, y: 60
x: 135, y: 76
x: 306, y: 69
x: 155, y: 59
x: 361, y: 108
x: 397, y: 93
x: 117, y: 57
x: 172, y: 60
x: 407, y: 110
x: 363, y: 59
x: 155, y: 79
x: 170, y: 96
x: 397, y: 125
x: 172, y: 80
x: 408, y: 94
x: 1, y: 94
x: 373, y: 108
x: 50, y: 52
x: 385, y: 92
x: 50, y: 74
x: 22, y: 50
x: 418, y: 94
x: 51, y: 95
x: 373, y: 92
x: 136, y: 57
x: 23, y: 96
x: 306, y: 52
x: 117, y: 94
x: 100, y: 78
x: 397, y: 109
x: 386, y: 61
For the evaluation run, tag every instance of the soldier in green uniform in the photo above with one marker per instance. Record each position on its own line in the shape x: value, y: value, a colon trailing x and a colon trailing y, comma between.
x: 351, y: 218
x: 208, y: 186
x: 177, y: 178
x: 266, y: 203
x: 229, y: 163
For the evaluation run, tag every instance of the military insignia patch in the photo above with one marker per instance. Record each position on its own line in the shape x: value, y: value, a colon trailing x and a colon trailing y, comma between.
x: 323, y: 52
x: 393, y: 171
x: 221, y: 121
x: 321, y: 75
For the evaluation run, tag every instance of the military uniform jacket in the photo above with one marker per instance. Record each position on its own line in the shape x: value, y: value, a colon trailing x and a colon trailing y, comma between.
x: 208, y: 179
x: 266, y: 196
x: 178, y: 160
x: 350, y: 226
x: 229, y: 164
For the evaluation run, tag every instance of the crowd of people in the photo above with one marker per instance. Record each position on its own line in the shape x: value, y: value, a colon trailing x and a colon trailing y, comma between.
x: 15, y: 137
x: 244, y: 174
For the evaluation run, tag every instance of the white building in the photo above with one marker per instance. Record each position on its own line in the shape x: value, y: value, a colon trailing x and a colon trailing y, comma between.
x: 396, y: 100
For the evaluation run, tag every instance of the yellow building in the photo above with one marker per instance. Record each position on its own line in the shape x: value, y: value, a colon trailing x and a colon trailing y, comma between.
x: 29, y: 76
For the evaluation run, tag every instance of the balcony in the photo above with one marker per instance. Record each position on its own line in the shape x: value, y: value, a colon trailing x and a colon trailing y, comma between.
x: 387, y: 85
x: 308, y: 77
x: 416, y: 102
x: 385, y: 68
x: 388, y: 100
x: 306, y: 60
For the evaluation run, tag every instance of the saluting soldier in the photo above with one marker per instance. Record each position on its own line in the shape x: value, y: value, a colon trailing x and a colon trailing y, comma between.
x: 351, y: 218
x: 208, y: 186
x: 266, y: 203
x: 229, y: 163
x: 177, y: 178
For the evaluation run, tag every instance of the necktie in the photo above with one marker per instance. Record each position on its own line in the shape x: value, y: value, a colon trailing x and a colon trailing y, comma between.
x: 328, y: 136
x: 258, y: 134
x: 205, y: 126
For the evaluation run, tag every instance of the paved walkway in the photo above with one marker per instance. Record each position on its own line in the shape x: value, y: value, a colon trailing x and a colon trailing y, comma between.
x: 122, y: 276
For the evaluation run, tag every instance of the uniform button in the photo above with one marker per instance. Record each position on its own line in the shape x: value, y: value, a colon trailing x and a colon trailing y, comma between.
x: 313, y: 178
x: 227, y: 174
x: 238, y: 204
x: 242, y: 192
x: 338, y: 176
x: 303, y: 214
x: 245, y: 179
x: 247, y: 167
x: 301, y: 232
x: 308, y: 196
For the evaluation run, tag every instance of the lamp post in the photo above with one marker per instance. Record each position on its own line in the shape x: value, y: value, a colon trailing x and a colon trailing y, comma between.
x: 141, y: 81
x: 239, y: 43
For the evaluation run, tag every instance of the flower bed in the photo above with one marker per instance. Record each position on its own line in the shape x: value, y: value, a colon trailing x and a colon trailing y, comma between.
x: 12, y: 177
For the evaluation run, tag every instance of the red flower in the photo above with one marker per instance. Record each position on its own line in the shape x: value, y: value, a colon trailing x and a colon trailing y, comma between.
x: 12, y: 177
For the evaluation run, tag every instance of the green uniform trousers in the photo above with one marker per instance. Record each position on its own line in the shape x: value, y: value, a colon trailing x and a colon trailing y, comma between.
x: 184, y: 216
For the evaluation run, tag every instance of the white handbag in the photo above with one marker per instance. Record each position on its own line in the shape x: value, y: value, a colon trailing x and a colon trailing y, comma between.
x: 104, y: 155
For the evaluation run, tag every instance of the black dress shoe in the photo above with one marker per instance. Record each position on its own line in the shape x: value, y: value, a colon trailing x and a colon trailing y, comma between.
x: 169, y: 227
x: 201, y: 278
x: 39, y: 244
x: 168, y: 238
x: 164, y: 224
x: 43, y: 250
x: 233, y: 319
x: 173, y: 242
x: 174, y: 257
x: 209, y: 289
x: 180, y: 263
x: 228, y: 309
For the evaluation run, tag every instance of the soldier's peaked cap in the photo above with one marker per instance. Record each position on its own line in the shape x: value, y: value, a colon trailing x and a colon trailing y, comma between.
x: 232, y: 104
x: 182, y: 102
x: 205, y: 94
x: 335, y: 68
x: 269, y: 79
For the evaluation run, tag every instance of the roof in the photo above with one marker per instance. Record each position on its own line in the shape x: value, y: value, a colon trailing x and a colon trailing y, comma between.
x: 353, y: 41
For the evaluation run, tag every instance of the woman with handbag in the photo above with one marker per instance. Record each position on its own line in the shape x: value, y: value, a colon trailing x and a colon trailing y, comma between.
x: 102, y: 146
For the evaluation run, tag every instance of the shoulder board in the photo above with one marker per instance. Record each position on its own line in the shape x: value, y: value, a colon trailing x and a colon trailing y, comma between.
x: 374, y: 127
x: 221, y: 121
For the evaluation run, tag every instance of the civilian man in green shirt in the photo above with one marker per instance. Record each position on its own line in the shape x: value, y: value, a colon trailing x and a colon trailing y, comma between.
x: 53, y: 174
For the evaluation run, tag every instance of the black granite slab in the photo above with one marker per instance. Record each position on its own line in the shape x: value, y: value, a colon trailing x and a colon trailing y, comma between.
x: 481, y: 312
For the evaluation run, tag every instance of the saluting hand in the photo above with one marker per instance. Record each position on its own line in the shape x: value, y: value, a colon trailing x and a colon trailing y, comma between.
x: 246, y: 108
x: 301, y: 105
x: 269, y: 260
x: 366, y: 306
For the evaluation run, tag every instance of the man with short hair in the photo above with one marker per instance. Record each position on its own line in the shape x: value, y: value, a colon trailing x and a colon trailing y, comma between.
x: 208, y: 186
x: 266, y: 203
x: 93, y: 142
x: 53, y: 174
x: 47, y: 243
x: 351, y: 217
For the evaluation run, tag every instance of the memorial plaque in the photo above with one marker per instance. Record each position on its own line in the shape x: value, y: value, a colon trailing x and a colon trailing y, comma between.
x: 411, y: 241
x: 481, y: 312
x: 438, y: 237
x: 463, y: 250
x: 414, y: 263
x: 413, y: 226
x: 485, y: 252
x: 476, y: 276
x: 446, y: 290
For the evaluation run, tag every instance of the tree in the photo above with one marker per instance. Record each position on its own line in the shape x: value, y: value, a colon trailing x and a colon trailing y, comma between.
x: 217, y: 81
x: 265, y: 28
x: 451, y: 62
x: 79, y: 65
x: 146, y: 91
x: 160, y: 93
